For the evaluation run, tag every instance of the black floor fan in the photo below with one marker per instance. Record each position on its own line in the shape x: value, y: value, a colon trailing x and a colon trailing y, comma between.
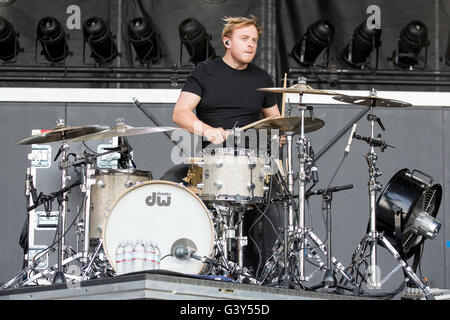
x: 406, y: 212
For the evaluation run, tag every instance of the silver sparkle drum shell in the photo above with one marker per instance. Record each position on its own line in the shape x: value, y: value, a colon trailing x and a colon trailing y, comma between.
x: 234, y: 176
x: 109, y: 185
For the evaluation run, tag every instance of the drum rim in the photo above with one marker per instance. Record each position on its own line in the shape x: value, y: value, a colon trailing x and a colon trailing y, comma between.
x: 135, y: 172
x: 108, y: 213
x: 230, y: 151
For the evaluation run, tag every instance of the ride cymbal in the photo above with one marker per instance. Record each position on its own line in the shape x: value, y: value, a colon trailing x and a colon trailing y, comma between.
x: 299, y: 88
x: 367, y: 101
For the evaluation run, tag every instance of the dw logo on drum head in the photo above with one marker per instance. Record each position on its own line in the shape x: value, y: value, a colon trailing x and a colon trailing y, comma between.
x: 157, y: 198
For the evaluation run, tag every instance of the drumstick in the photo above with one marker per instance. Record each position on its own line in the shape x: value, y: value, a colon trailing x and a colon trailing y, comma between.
x: 284, y: 96
x: 254, y: 123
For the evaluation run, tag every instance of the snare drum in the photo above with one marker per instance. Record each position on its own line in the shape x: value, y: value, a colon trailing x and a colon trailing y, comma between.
x: 236, y: 176
x: 166, y: 214
x: 109, y: 184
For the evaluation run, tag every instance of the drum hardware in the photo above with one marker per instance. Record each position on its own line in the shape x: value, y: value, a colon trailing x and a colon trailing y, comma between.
x: 295, y: 235
x: 53, y: 270
x: 89, y: 265
x: 373, y: 237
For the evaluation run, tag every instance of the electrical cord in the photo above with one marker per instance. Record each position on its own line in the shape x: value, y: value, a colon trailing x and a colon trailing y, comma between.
x: 42, y: 252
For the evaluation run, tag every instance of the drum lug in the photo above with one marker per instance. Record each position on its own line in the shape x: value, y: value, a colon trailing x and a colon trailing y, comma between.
x: 251, y: 186
x: 206, y: 174
x: 201, y: 164
x: 265, y: 189
x: 218, y: 184
x: 200, y: 186
x: 218, y: 163
x: 101, y: 183
x: 128, y: 184
x: 262, y: 176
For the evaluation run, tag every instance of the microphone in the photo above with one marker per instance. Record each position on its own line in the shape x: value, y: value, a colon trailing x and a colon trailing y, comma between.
x: 350, y: 139
x: 180, y: 251
x: 27, y: 183
x: 315, y: 176
x: 332, y: 189
x: 29, y: 186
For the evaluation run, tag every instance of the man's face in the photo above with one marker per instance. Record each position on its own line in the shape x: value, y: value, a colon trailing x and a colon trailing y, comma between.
x: 243, y: 43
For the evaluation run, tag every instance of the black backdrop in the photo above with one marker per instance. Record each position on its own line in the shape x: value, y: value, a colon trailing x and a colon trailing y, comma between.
x: 284, y: 21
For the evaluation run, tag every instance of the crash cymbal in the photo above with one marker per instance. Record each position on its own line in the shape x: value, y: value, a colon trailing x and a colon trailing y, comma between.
x: 289, y: 124
x: 367, y: 101
x: 121, y: 130
x: 61, y: 133
x: 299, y: 88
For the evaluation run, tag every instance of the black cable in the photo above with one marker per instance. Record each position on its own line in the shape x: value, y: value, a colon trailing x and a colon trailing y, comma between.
x: 63, y: 235
x: 167, y: 255
x: 262, y: 214
x: 84, y: 144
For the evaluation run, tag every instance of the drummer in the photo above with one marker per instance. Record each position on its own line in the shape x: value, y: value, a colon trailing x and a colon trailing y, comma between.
x: 223, y: 93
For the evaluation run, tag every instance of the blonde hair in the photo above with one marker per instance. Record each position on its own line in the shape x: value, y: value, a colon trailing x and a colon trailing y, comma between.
x: 232, y: 23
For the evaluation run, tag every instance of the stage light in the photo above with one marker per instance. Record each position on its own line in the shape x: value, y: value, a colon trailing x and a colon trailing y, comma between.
x: 413, y: 37
x: 4, y: 3
x: 364, y: 40
x: 9, y: 45
x: 53, y: 39
x: 317, y: 38
x: 144, y: 40
x: 100, y: 40
x: 196, y: 40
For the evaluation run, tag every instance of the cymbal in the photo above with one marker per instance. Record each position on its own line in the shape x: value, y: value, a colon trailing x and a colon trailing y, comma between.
x: 289, y: 124
x: 61, y: 133
x: 299, y: 88
x: 367, y: 101
x: 121, y: 130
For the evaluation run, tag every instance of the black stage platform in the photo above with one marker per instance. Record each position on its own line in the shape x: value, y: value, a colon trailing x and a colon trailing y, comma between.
x: 164, y: 287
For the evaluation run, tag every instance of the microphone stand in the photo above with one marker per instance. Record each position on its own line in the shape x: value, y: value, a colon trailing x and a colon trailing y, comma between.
x: 329, y: 279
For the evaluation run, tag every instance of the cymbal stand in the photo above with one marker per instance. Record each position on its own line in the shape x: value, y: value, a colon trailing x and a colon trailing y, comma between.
x: 86, y: 189
x: 86, y: 162
x: 303, y: 144
x: 373, y: 237
x: 59, y: 276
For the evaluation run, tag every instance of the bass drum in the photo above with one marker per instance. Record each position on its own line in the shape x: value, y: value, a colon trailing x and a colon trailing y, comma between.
x: 166, y: 214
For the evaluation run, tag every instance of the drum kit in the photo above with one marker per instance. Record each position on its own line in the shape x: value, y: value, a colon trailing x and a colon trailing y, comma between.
x: 197, y: 224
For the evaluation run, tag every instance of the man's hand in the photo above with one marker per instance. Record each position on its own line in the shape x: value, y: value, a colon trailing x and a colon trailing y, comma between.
x: 216, y: 135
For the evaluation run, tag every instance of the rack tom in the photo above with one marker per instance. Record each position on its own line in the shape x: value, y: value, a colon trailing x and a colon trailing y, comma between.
x: 235, y: 176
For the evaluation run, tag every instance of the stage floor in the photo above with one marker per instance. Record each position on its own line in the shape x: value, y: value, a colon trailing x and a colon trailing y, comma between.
x: 164, y: 287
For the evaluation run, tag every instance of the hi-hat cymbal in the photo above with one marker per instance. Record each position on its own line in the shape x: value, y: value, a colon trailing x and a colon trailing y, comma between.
x: 367, y: 101
x: 285, y: 124
x: 121, y: 130
x: 61, y: 133
x: 299, y: 88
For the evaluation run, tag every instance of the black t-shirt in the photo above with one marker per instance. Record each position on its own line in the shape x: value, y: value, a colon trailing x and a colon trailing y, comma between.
x: 229, y: 95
